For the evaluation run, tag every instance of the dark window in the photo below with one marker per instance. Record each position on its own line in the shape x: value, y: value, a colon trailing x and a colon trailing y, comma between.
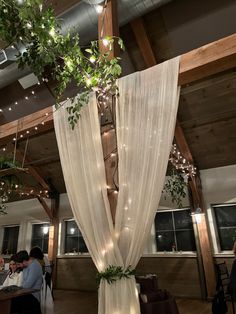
x: 10, y: 240
x: 40, y: 233
x: 174, y: 231
x: 226, y: 225
x: 74, y: 242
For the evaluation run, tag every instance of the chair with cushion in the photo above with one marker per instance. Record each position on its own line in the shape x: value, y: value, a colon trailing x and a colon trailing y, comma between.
x: 154, y: 300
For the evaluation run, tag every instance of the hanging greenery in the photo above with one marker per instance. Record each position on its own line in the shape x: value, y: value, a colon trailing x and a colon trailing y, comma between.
x: 175, y: 186
x: 8, y: 183
x: 113, y: 273
x: 32, y: 28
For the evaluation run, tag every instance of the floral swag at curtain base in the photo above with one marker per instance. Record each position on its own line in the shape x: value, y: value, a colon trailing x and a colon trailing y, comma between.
x: 113, y: 273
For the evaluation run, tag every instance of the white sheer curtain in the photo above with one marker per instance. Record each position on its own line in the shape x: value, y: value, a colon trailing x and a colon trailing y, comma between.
x: 146, y: 115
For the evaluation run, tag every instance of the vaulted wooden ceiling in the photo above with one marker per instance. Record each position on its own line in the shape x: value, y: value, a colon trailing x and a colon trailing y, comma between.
x: 207, y: 112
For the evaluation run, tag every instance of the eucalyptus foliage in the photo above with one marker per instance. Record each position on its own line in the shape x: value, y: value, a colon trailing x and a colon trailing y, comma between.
x: 31, y: 25
x: 113, y: 273
x: 175, y: 186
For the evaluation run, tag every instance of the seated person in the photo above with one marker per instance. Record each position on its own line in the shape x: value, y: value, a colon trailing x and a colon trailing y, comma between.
x: 1, y: 263
x: 37, y: 253
x: 32, y: 279
x: 14, y: 276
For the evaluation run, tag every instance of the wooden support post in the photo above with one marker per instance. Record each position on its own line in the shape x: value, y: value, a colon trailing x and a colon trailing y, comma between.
x: 53, y: 235
x: 108, y: 26
x: 206, y: 251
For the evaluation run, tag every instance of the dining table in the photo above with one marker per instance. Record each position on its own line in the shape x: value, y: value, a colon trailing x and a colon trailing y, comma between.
x: 6, y: 297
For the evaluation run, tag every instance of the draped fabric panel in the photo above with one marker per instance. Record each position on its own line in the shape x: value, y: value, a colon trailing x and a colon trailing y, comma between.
x: 84, y: 174
x: 146, y: 117
x: 146, y: 113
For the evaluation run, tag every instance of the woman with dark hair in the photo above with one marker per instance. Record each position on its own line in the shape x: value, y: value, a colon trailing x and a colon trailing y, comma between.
x: 14, y: 276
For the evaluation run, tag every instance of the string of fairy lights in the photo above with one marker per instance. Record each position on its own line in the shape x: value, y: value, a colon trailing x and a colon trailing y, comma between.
x: 180, y: 163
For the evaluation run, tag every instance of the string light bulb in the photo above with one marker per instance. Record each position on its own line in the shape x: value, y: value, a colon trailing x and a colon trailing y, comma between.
x: 105, y: 42
x: 99, y: 8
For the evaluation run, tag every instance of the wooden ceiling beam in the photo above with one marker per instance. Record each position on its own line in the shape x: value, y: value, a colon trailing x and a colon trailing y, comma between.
x: 207, y: 60
x: 35, y: 123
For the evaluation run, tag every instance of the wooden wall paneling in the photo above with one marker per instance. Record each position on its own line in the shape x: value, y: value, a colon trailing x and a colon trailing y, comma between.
x: 179, y: 275
x: 75, y: 273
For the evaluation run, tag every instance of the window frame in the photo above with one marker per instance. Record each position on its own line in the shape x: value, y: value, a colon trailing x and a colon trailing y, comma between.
x: 215, y: 227
x: 10, y: 226
x: 180, y: 252
x: 39, y: 223
x: 64, y: 236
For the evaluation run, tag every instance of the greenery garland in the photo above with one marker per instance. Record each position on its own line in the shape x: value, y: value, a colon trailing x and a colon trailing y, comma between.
x: 113, y: 273
x: 32, y: 28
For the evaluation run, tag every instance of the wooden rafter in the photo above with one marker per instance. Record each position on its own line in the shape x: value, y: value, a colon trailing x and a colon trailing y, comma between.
x: 182, y: 143
x: 33, y: 171
x: 143, y: 42
x: 45, y: 207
